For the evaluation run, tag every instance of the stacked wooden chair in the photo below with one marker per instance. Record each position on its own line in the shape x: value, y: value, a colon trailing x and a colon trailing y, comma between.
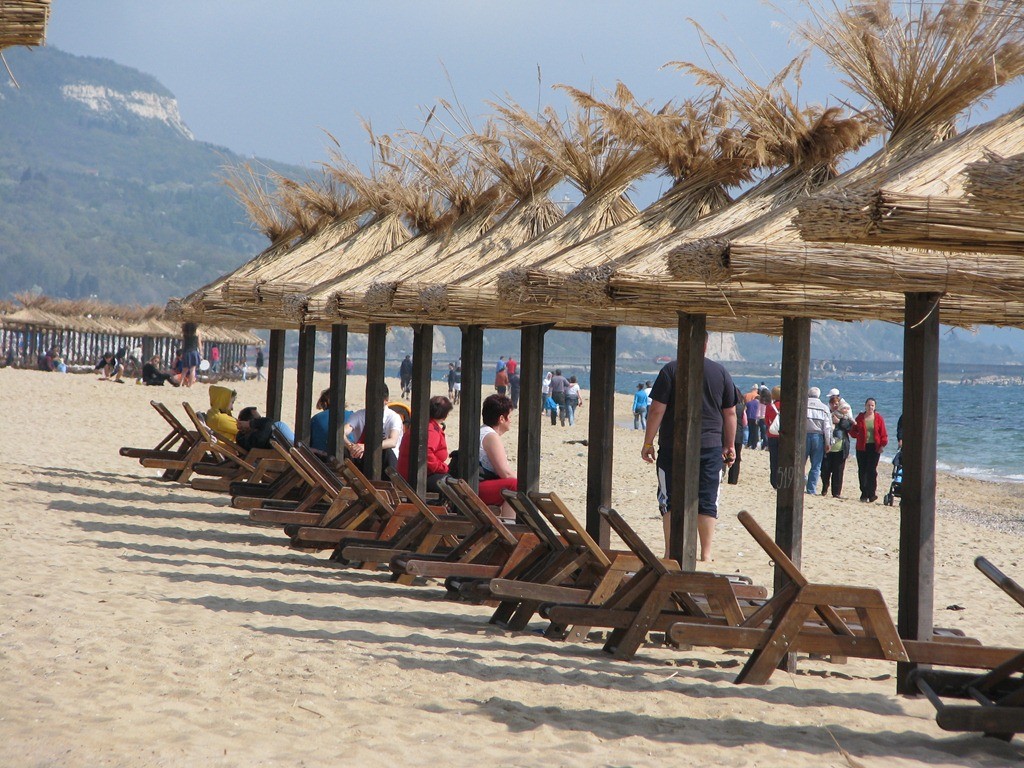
x: 170, y: 452
x: 998, y: 695
x: 826, y: 619
x: 655, y: 597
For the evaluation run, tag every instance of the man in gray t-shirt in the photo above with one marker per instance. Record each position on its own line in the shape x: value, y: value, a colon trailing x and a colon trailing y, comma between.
x: 559, y: 385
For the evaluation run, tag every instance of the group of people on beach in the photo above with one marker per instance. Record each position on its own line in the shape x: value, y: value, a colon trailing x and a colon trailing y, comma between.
x: 830, y: 427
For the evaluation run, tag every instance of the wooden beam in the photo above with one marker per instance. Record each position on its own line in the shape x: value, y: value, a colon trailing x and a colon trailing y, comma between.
x: 373, y: 431
x: 275, y: 374
x: 339, y: 382
x: 916, y: 613
x: 601, y: 433
x: 687, y: 412
x: 789, y: 499
x: 422, y: 364
x: 470, y: 401
x: 531, y: 372
x: 304, y: 382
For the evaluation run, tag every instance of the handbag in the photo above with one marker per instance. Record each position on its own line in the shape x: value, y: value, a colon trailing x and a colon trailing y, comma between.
x: 773, y: 428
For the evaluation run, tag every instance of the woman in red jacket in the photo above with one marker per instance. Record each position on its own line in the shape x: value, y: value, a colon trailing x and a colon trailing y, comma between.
x: 437, y: 446
x: 869, y: 429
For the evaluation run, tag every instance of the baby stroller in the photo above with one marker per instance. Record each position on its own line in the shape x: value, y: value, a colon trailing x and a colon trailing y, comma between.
x: 896, y: 486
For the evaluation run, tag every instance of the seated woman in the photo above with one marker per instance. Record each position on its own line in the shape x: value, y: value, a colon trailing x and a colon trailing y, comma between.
x: 437, y: 446
x: 152, y: 375
x: 219, y: 418
x: 255, y: 431
x: 496, y: 474
x: 319, y: 425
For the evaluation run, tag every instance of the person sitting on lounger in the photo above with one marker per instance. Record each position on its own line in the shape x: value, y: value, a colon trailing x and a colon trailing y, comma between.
x: 496, y: 474
x: 255, y: 431
x: 219, y: 418
x: 437, y: 446
x: 393, y: 430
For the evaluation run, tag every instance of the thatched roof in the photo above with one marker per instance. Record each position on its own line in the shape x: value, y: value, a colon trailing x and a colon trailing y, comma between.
x: 922, y: 204
x: 475, y: 199
x: 526, y: 180
x: 773, y: 131
x: 91, y: 316
x: 876, y: 64
x: 600, y: 165
x: 23, y: 22
x: 996, y: 184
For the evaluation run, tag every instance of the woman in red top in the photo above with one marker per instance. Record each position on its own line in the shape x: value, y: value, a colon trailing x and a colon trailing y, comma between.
x: 437, y: 446
x: 771, y: 413
x: 869, y: 429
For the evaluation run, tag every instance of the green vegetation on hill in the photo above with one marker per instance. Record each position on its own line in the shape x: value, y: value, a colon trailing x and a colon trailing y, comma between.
x: 109, y: 202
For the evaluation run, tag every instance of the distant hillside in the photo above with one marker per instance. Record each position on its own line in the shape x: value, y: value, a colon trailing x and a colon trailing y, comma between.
x: 104, y: 189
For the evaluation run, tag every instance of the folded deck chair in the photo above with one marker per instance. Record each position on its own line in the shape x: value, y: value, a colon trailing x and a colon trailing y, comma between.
x: 169, y: 453
x: 578, y: 571
x: 657, y: 596
x: 491, y: 551
x: 998, y: 695
x: 429, y: 530
x: 816, y: 618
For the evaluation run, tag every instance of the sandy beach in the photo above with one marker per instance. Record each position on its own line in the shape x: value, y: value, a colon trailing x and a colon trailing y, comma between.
x: 147, y: 624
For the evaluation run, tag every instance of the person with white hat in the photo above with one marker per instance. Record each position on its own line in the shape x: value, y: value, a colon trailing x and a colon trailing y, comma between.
x: 819, y: 436
x: 834, y: 463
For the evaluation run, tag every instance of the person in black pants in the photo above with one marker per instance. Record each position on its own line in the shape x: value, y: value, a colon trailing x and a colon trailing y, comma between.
x: 869, y: 429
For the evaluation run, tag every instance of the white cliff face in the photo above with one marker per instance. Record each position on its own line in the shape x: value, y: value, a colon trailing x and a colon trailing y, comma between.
x: 140, y: 103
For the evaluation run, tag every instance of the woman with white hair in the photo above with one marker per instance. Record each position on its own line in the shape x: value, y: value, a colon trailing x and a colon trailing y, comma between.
x: 819, y: 436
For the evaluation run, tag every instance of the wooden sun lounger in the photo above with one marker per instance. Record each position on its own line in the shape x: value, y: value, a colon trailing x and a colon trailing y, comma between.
x: 998, y: 710
x: 491, y: 551
x: 321, y: 489
x: 807, y: 617
x: 173, y: 448
x: 366, y: 516
x: 231, y: 461
x: 430, y: 530
x: 655, y: 598
x: 577, y: 571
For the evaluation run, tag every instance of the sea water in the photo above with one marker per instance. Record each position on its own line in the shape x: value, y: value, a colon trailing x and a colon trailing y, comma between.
x: 980, y: 432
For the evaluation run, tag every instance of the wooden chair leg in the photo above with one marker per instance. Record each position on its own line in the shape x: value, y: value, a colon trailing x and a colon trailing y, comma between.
x: 764, y: 660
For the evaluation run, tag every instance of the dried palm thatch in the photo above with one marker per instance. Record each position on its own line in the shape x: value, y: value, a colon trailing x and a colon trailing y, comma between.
x: 924, y: 67
x: 599, y: 164
x: 873, y: 47
x: 23, y: 22
x: 777, y: 132
x: 322, y: 210
x: 260, y: 295
x: 445, y: 198
x: 835, y: 302
x: 475, y: 199
x: 996, y: 184
x: 527, y: 180
x: 921, y: 206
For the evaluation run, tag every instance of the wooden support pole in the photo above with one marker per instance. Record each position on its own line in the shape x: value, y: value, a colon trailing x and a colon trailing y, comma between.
x: 373, y: 431
x: 304, y: 382
x: 687, y: 412
x: 275, y: 375
x: 422, y: 364
x: 789, y: 500
x: 916, y: 613
x: 530, y: 406
x: 470, y: 401
x: 339, y: 381
x: 601, y: 434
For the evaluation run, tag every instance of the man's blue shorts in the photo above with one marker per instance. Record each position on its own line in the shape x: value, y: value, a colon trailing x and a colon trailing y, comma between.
x: 711, y: 464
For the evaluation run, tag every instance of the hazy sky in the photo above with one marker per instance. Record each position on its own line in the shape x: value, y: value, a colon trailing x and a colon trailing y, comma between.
x: 265, y: 77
